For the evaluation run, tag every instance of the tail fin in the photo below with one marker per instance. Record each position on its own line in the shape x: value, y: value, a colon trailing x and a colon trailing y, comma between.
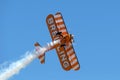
x: 41, y: 56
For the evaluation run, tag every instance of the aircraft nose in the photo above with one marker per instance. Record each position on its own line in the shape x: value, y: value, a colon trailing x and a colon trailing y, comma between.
x: 72, y: 39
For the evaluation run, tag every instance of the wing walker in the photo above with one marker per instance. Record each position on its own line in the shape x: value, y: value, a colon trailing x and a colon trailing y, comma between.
x: 61, y: 42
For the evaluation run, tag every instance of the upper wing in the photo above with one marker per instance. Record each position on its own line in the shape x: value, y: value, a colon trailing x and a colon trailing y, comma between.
x: 69, y: 48
x: 62, y: 54
x: 60, y: 23
x: 60, y: 49
x: 52, y: 26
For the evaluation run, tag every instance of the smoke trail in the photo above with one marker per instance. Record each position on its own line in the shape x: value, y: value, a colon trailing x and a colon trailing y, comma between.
x: 15, y: 67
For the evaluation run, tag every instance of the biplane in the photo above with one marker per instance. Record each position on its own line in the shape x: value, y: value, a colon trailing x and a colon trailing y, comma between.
x: 64, y: 48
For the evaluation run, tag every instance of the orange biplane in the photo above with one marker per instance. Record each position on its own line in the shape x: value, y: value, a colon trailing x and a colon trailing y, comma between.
x: 64, y: 49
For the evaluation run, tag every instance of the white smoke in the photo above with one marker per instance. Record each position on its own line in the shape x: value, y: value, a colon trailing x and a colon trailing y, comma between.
x: 15, y: 67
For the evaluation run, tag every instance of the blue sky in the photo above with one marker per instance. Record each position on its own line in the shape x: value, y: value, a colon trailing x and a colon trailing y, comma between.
x: 95, y: 24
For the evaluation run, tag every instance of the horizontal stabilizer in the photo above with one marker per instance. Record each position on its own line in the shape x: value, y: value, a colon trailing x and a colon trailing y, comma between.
x: 42, y: 58
x: 41, y: 55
